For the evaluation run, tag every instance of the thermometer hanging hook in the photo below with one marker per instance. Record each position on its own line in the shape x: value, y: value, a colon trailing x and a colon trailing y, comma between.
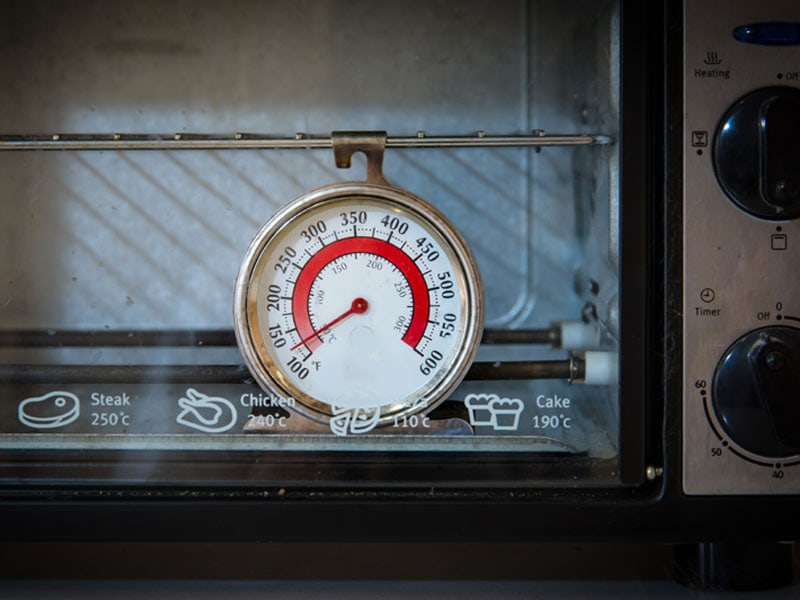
x: 371, y: 144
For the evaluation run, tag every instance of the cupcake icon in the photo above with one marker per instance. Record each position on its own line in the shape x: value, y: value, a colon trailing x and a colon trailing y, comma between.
x: 502, y: 414
x: 478, y: 407
x: 506, y: 412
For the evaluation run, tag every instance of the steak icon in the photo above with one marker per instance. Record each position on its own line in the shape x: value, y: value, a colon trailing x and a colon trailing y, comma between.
x: 54, y: 409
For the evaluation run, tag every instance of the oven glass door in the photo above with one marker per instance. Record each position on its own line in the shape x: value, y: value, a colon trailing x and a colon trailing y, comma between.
x: 146, y: 145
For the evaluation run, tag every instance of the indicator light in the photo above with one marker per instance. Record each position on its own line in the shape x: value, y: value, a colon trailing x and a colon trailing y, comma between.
x: 769, y: 34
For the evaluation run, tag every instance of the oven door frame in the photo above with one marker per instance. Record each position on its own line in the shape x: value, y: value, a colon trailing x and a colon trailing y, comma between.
x: 648, y: 505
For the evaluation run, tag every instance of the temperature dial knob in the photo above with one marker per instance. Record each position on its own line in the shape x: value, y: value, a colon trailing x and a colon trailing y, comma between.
x: 756, y: 392
x: 757, y: 153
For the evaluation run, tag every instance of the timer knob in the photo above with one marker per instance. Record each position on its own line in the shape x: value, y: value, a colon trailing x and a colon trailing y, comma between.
x: 757, y: 153
x: 756, y: 392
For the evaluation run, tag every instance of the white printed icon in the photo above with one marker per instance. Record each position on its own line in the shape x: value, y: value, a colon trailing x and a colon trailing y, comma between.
x: 54, y: 409
x: 502, y: 414
x: 346, y: 421
x: 210, y: 414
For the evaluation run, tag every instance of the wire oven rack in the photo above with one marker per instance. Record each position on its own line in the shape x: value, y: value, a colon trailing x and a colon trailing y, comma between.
x: 16, y: 373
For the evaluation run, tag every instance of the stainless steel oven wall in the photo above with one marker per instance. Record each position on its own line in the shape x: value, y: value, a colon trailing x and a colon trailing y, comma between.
x: 94, y: 223
x: 151, y: 240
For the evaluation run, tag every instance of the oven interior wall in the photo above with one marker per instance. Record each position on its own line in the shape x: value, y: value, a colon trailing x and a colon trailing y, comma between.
x: 150, y: 240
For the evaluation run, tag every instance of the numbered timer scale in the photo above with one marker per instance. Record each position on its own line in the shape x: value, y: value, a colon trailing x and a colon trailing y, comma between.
x: 358, y: 311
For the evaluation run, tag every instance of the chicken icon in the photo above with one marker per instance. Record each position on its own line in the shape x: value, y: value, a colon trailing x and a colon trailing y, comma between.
x: 210, y: 414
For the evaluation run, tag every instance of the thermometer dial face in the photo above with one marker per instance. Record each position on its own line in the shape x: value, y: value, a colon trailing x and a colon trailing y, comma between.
x: 359, y: 297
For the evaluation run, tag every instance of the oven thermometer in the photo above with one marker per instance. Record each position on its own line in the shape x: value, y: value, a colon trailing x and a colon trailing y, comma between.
x: 359, y: 299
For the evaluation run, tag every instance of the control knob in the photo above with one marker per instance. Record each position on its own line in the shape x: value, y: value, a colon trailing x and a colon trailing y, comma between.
x: 756, y: 392
x: 757, y: 153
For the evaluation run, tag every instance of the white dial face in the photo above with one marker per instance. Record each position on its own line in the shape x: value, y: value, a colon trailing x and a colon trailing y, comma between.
x: 361, y: 302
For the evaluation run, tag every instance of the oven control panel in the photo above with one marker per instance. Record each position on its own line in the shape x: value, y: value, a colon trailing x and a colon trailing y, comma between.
x: 741, y: 294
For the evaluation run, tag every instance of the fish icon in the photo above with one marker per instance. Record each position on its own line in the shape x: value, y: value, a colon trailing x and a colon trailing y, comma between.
x: 210, y: 414
x: 354, y: 420
x: 54, y: 409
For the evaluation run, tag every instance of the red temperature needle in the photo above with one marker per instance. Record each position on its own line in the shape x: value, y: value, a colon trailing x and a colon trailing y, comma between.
x: 357, y: 307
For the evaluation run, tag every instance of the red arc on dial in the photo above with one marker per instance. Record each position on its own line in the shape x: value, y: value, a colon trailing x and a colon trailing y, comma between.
x: 360, y: 245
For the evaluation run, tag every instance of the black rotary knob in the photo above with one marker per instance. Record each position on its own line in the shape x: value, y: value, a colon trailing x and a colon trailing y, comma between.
x: 757, y: 153
x: 756, y: 392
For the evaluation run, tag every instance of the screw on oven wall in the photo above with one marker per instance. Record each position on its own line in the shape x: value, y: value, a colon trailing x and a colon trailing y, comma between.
x: 653, y: 472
